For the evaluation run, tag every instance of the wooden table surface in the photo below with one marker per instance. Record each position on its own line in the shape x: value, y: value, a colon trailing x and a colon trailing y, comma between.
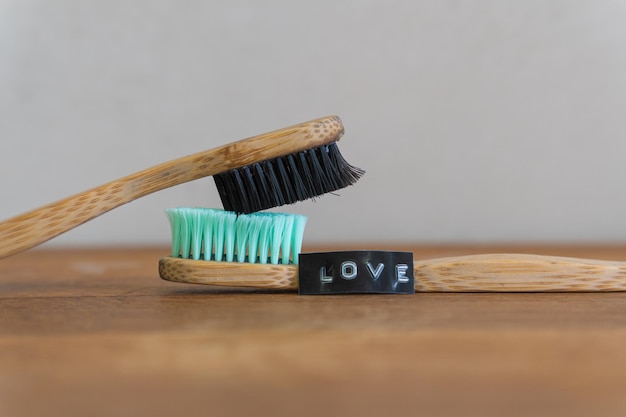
x: 95, y: 332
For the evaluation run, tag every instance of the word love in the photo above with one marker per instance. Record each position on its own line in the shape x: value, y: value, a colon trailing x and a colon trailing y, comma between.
x: 356, y: 272
x: 349, y: 270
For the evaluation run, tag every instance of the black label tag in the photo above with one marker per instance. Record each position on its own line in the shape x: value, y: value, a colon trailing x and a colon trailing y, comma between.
x: 356, y: 272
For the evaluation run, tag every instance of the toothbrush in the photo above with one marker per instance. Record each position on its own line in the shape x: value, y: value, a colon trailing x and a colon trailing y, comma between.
x: 213, y: 246
x: 473, y: 273
x: 252, y: 174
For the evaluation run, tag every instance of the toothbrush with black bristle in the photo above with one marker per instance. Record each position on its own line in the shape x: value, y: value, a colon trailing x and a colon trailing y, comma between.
x: 269, y: 170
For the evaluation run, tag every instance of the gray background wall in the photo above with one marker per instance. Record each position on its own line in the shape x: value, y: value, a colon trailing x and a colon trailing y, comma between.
x: 477, y: 121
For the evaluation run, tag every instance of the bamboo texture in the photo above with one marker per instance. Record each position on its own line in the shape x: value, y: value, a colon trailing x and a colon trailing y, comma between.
x: 37, y: 226
x: 472, y: 273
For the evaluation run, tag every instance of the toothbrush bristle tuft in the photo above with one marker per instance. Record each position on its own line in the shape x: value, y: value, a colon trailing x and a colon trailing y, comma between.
x: 219, y: 235
x: 286, y: 180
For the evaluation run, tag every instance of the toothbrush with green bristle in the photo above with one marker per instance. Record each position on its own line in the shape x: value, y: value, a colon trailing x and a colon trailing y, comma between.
x: 261, y: 251
x: 214, y: 246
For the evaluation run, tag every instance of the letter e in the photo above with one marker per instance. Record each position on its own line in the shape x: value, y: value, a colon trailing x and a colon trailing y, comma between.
x: 401, y: 270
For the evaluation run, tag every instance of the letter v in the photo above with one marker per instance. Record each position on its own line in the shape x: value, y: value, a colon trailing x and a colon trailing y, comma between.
x: 375, y: 272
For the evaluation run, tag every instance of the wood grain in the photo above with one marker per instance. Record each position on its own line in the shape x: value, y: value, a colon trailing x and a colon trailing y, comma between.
x: 231, y: 274
x: 470, y: 273
x: 518, y: 273
x: 97, y: 332
x: 30, y: 229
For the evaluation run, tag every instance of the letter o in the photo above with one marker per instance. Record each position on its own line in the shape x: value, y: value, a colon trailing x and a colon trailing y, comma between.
x: 348, y: 270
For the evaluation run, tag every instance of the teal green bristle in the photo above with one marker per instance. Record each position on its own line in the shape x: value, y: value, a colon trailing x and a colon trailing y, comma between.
x: 197, y: 224
x: 214, y: 234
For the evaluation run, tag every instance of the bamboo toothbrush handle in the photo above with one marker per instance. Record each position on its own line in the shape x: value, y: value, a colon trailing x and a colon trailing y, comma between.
x: 37, y: 226
x: 518, y: 273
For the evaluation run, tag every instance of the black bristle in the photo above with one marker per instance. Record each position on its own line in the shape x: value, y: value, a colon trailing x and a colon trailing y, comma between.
x: 275, y: 195
x: 296, y: 179
x: 307, y: 176
x: 331, y: 170
x: 265, y: 196
x: 318, y: 175
x: 250, y: 184
x: 285, y: 180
